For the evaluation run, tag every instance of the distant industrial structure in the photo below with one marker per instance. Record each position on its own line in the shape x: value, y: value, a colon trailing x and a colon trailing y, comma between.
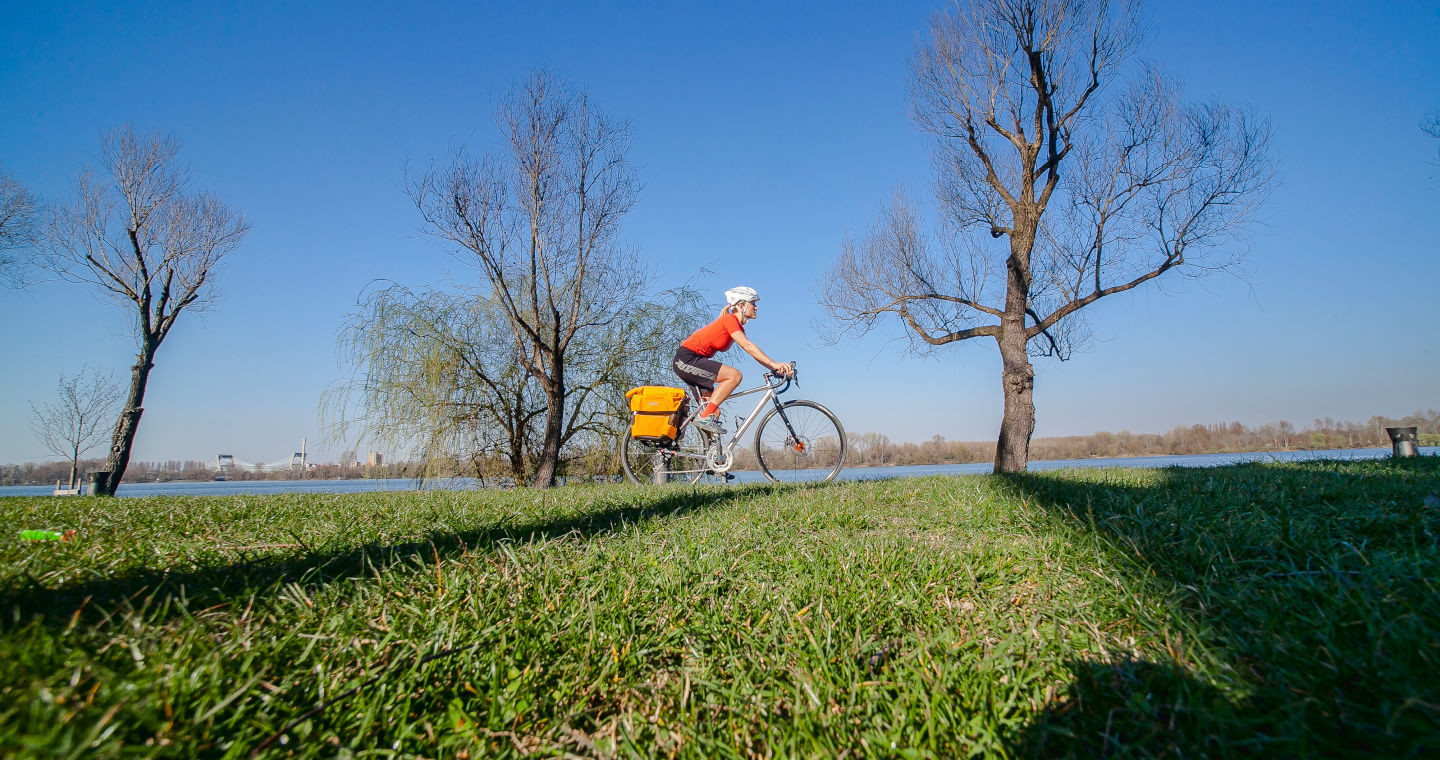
x: 298, y: 461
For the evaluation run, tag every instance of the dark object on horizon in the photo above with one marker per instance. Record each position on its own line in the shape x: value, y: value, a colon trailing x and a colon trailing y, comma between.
x: 99, y: 479
x: 1404, y: 440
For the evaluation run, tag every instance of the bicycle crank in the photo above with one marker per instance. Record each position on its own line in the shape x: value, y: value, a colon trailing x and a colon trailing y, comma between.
x: 716, y: 458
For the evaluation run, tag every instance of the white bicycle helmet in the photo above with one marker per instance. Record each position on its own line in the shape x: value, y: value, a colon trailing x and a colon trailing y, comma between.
x: 742, y: 293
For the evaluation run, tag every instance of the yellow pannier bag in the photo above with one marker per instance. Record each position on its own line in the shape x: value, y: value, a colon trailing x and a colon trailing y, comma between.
x: 656, y: 412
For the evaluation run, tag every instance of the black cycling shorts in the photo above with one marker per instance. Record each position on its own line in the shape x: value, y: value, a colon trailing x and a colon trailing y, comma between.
x: 696, y: 369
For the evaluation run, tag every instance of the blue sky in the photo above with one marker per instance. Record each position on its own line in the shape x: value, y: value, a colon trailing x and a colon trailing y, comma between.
x: 765, y: 133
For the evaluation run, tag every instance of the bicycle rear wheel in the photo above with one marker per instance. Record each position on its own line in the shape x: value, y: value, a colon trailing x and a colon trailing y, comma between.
x: 649, y: 462
x: 810, y: 447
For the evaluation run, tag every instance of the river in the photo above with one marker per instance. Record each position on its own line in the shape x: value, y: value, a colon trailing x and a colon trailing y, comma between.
x: 257, y: 487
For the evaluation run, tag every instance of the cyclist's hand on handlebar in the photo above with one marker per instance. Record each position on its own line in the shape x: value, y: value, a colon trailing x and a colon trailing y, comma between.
x: 786, y: 369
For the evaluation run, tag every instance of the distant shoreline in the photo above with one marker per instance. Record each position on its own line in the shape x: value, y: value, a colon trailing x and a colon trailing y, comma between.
x: 257, y: 487
x: 398, y: 471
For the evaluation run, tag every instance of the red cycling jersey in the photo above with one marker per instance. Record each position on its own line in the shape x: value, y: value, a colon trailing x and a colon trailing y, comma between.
x: 714, y: 337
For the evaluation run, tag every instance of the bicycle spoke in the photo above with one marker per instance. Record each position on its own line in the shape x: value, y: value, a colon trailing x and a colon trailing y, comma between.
x: 810, y: 447
x: 680, y: 462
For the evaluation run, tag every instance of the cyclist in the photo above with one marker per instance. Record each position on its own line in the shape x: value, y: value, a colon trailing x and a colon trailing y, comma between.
x: 695, y: 365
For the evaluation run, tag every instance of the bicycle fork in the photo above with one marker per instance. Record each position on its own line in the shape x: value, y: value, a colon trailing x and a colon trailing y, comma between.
x: 721, y: 463
x: 794, y: 439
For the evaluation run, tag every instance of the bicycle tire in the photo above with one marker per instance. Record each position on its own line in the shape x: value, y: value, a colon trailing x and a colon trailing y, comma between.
x: 639, y: 460
x: 818, y: 454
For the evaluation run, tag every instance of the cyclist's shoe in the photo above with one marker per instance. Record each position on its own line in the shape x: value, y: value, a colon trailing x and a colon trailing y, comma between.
x: 711, y: 425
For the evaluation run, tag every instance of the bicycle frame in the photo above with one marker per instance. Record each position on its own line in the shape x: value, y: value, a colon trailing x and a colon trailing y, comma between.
x: 771, y: 391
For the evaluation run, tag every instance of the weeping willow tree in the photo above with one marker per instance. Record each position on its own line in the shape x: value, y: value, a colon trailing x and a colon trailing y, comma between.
x: 428, y: 376
x: 437, y: 375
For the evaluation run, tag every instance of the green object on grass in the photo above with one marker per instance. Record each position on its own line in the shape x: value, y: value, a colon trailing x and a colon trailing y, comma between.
x: 44, y: 535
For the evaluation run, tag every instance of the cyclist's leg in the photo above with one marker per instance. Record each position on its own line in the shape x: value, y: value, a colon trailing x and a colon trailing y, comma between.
x: 708, y: 374
x: 696, y: 370
x: 726, y: 381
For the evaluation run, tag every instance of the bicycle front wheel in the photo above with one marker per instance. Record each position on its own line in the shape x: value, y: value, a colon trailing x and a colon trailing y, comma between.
x: 800, y: 441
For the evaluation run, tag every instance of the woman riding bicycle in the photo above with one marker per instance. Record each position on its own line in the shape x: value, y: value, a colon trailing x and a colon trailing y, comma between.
x: 695, y: 365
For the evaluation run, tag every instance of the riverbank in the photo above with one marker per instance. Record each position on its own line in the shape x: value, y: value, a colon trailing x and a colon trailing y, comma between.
x: 362, y: 485
x: 1275, y: 609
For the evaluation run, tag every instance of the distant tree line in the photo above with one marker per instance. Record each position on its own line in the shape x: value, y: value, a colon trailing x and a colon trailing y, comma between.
x: 876, y: 449
x: 48, y: 473
x: 191, y: 470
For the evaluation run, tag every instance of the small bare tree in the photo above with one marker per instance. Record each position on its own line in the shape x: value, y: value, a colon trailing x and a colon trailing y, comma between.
x: 1430, y: 125
x: 19, y: 224
x: 1092, y: 188
x: 540, y: 220
x: 74, y: 423
x: 135, y: 232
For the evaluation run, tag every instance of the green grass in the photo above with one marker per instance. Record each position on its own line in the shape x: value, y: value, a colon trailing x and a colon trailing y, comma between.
x: 1282, y: 610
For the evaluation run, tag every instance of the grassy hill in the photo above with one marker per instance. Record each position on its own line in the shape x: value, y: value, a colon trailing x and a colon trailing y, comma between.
x: 1258, y: 610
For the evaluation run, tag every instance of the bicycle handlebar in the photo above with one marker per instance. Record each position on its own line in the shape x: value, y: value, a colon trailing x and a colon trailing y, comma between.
x: 782, y: 387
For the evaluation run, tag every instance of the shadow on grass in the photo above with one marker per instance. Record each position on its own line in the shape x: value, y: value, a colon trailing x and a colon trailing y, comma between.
x: 167, y: 592
x: 1136, y: 708
x: 1311, y: 589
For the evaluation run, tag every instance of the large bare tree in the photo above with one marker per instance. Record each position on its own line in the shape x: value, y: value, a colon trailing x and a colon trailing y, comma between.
x: 136, y: 232
x: 540, y: 220
x: 73, y: 423
x: 19, y: 225
x: 1058, y: 183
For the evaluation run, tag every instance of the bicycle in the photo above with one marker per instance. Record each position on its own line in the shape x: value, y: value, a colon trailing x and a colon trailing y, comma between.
x: 794, y: 441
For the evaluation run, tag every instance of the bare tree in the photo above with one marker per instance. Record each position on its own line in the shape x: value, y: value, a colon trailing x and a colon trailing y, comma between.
x: 135, y: 232
x: 540, y: 220
x: 19, y: 224
x: 74, y: 423
x: 1091, y: 186
x: 1430, y: 125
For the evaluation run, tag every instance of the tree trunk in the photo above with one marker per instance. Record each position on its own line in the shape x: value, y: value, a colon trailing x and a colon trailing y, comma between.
x: 1012, y: 451
x: 550, y: 449
x: 517, y: 458
x: 515, y: 440
x: 554, y: 421
x: 75, y: 461
x: 129, y: 422
x: 1017, y: 376
x: 517, y: 469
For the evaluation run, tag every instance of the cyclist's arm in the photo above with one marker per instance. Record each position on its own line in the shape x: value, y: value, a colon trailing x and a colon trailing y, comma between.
x: 754, y: 350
